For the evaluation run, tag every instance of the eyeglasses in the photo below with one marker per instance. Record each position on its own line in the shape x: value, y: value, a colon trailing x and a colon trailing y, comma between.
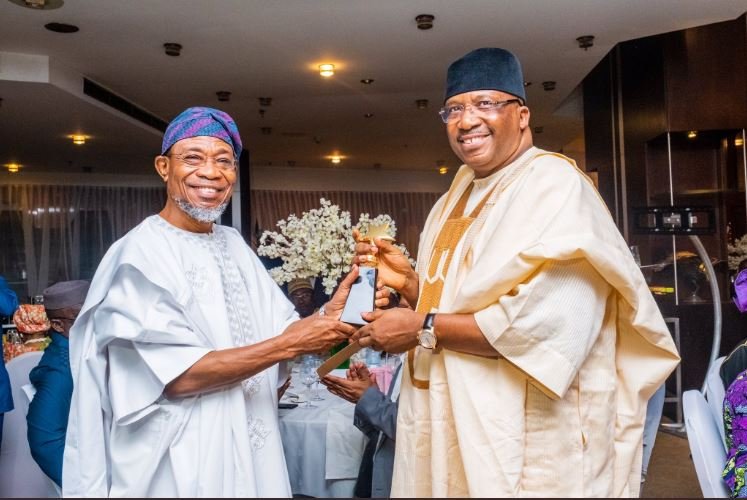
x: 456, y: 111
x: 194, y: 159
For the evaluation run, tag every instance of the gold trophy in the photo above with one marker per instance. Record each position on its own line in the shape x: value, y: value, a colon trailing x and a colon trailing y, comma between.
x: 362, y: 299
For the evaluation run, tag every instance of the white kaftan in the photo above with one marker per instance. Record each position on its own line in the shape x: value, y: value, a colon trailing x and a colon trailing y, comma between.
x: 161, y: 299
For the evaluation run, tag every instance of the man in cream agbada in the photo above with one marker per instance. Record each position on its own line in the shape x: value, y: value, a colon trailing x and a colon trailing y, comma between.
x: 535, y: 344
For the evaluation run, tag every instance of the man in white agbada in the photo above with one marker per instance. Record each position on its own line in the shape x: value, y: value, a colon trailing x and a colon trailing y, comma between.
x: 174, y: 355
x: 535, y: 344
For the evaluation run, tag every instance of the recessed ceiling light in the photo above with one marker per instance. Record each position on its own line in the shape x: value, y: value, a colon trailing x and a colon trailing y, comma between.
x: 421, y: 103
x: 367, y: 81
x: 692, y: 134
x: 739, y: 142
x: 62, y: 27
x: 443, y: 170
x: 548, y: 85
x: 335, y: 159
x: 326, y: 70
x: 368, y: 115
x: 527, y: 84
x: 265, y: 101
x: 13, y: 167
x: 39, y: 4
x: 223, y: 95
x: 78, y: 139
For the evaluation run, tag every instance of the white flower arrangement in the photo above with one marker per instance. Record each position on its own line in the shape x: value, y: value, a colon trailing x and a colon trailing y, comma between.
x: 737, y: 252
x: 318, y: 244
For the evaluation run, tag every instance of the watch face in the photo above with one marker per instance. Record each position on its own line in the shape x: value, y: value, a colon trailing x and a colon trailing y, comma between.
x: 427, y: 339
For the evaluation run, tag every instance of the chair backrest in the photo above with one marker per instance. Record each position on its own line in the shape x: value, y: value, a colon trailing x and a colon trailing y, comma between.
x: 706, y: 445
x: 20, y: 476
x: 715, y: 392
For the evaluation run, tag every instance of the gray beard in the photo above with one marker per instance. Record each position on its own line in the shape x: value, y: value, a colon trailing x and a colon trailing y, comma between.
x: 200, y: 214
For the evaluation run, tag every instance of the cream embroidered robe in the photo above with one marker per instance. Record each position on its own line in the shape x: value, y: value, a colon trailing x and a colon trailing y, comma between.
x: 161, y: 299
x: 555, y: 290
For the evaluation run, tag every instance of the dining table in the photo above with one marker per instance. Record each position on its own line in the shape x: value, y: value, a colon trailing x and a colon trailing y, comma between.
x: 323, y: 449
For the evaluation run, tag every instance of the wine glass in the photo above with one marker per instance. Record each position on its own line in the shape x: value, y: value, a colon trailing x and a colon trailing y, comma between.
x: 308, y: 377
x: 316, y: 361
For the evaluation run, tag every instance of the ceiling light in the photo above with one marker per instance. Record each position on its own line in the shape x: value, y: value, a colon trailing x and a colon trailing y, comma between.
x: 326, y: 70
x: 265, y: 101
x: 78, y: 139
x: 368, y: 115
x: 739, y: 142
x: 223, y: 95
x: 172, y: 49
x: 39, y: 4
x: 443, y: 170
x: 424, y: 21
x: 586, y: 41
x: 548, y: 85
x: 335, y: 159
x: 421, y: 103
x: 692, y: 134
x: 12, y: 167
x: 367, y: 81
x: 62, y: 27
x: 527, y: 84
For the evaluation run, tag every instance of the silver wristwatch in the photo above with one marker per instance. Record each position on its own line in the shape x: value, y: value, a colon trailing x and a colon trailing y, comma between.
x: 427, y: 336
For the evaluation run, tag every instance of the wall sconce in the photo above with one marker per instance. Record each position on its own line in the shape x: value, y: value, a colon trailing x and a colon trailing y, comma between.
x: 78, y: 139
x: 13, y: 168
x: 692, y: 134
x: 326, y: 70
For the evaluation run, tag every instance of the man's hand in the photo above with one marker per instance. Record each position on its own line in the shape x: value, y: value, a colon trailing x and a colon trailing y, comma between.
x: 336, y: 304
x: 394, y: 330
x: 394, y: 267
x: 351, y: 389
x: 316, y: 334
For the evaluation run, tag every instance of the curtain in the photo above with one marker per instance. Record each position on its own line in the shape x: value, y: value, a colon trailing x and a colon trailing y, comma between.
x: 56, y: 233
x: 408, y: 210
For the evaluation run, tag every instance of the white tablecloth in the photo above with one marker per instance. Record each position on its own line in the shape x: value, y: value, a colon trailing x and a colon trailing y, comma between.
x: 322, y: 447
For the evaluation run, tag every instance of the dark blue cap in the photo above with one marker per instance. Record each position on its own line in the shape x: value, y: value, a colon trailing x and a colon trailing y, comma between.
x: 486, y: 69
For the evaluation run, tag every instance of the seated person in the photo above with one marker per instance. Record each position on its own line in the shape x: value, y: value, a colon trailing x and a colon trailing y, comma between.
x: 736, y: 362
x: 301, y: 294
x: 52, y: 379
x: 376, y: 416
x: 8, y: 305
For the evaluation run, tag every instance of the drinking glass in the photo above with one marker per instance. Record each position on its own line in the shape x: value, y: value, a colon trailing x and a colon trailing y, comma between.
x: 308, y: 377
x: 316, y: 361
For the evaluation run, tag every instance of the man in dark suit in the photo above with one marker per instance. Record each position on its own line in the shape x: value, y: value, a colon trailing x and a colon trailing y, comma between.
x: 376, y: 416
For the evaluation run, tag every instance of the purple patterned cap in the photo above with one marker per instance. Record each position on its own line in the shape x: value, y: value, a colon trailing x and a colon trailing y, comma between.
x: 199, y: 121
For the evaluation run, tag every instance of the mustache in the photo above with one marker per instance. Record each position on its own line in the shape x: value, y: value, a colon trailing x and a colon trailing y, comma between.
x: 461, y: 135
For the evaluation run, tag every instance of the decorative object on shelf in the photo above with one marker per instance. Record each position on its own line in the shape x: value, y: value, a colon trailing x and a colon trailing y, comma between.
x: 318, y: 244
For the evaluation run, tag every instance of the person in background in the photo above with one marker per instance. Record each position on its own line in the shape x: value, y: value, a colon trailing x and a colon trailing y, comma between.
x: 733, y: 373
x: 535, y: 344
x: 301, y: 294
x: 8, y: 305
x: 47, y: 416
x: 376, y: 416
